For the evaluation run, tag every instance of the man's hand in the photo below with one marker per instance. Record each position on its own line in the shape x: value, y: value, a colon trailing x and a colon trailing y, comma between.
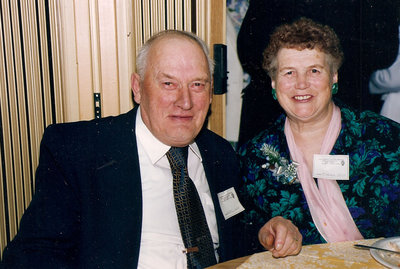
x: 281, y: 237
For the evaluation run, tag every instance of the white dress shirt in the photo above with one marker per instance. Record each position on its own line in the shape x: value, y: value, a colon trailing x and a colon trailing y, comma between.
x: 161, y: 244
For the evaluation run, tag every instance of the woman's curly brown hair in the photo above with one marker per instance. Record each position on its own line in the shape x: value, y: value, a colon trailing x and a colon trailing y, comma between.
x: 303, y: 34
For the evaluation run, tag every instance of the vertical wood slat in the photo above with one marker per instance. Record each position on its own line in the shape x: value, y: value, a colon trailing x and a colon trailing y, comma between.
x: 108, y: 49
x: 126, y: 57
x: 170, y: 14
x: 138, y: 25
x: 4, y: 118
x: 33, y: 97
x: 162, y: 14
x: 178, y: 15
x: 95, y: 43
x: 9, y: 116
x: 67, y: 47
x: 44, y: 59
x: 146, y: 25
x: 54, y: 22
x: 17, y: 115
x: 33, y: 74
x: 155, y: 12
x: 216, y: 10
x: 187, y: 11
x: 200, y: 19
x: 46, y: 94
x: 17, y: 97
x: 84, y: 54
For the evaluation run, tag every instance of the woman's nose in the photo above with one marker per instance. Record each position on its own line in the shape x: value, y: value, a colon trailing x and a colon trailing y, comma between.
x: 302, y: 81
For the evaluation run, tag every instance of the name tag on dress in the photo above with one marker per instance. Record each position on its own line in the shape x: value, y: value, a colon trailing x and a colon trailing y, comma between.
x: 229, y: 202
x: 331, y: 166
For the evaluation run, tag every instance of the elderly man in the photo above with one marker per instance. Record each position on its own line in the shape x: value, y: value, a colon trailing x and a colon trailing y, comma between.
x: 150, y: 188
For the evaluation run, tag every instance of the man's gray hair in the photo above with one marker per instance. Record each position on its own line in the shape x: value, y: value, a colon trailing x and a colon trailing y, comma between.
x: 141, y: 59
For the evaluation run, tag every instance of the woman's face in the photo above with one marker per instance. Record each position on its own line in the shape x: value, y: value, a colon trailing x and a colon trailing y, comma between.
x: 303, y: 84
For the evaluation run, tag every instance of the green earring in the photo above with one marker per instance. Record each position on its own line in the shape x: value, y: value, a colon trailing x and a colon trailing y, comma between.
x: 274, y: 94
x: 335, y: 88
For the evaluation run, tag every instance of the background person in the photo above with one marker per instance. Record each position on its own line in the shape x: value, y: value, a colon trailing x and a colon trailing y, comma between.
x: 104, y: 195
x: 282, y: 172
x: 387, y: 82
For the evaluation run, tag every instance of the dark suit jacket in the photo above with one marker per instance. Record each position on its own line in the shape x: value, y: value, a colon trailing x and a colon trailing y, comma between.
x: 87, y: 207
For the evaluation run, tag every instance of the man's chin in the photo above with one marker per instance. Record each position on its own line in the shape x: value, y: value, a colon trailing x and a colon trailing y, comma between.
x: 181, y: 143
x: 181, y: 140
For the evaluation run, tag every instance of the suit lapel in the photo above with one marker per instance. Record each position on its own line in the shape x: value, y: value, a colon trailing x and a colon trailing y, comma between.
x: 221, y: 175
x: 212, y: 168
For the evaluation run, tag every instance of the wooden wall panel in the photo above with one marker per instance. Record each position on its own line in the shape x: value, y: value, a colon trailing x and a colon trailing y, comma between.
x: 29, y: 93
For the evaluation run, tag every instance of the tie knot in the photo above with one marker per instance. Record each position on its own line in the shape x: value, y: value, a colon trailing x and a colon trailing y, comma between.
x: 178, y: 155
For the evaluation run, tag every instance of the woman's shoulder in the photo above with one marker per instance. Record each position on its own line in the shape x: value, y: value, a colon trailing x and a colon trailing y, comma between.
x: 371, y: 140
x: 368, y: 124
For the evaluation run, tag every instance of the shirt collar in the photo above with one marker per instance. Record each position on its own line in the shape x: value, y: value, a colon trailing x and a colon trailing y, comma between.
x: 153, y: 147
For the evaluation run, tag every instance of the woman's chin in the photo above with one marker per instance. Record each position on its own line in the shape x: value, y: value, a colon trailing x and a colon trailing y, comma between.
x: 303, y: 116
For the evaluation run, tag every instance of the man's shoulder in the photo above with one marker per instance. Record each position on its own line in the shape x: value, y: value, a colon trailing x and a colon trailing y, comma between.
x: 94, y: 126
x: 212, y: 140
x: 215, y: 148
x: 85, y: 134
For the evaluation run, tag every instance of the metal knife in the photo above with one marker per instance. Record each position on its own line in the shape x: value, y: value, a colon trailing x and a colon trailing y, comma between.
x: 371, y: 247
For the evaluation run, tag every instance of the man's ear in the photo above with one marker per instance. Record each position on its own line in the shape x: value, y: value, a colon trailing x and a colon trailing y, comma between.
x: 135, y: 85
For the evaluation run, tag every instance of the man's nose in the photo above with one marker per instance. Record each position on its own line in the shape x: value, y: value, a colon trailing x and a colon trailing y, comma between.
x: 184, y: 99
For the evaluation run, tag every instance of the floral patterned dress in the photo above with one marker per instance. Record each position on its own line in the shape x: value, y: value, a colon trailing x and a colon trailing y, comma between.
x: 372, y: 193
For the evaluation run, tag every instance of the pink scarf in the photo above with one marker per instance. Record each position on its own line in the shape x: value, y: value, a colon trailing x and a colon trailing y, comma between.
x: 327, y: 206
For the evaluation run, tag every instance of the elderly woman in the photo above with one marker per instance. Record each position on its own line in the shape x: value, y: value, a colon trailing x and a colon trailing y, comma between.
x: 333, y: 171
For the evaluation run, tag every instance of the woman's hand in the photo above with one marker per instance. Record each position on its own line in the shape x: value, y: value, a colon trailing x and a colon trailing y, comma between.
x: 281, y: 237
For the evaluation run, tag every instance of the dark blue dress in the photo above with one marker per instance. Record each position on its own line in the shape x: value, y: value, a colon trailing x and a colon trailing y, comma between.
x: 372, y: 194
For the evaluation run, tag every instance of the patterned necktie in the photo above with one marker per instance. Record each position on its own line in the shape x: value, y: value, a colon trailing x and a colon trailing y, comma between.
x: 192, y: 221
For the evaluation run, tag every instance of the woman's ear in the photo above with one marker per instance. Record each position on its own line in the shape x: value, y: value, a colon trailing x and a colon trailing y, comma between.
x: 335, y: 77
x: 135, y: 85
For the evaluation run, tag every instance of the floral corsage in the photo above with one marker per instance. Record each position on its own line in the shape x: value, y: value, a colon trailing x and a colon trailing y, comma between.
x: 282, y: 170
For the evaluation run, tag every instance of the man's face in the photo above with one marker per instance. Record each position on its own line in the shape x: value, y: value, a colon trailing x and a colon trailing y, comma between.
x: 175, y: 93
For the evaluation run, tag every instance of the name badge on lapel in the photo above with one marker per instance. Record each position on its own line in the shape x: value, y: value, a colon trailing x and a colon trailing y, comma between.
x: 229, y: 202
x: 331, y: 166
